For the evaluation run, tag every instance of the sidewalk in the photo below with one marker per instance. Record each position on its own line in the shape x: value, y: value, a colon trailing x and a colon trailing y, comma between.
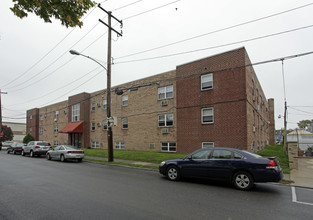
x: 303, y: 176
x: 124, y: 161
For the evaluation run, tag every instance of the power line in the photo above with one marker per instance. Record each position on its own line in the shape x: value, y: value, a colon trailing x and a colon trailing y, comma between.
x: 214, y: 47
x: 216, y: 31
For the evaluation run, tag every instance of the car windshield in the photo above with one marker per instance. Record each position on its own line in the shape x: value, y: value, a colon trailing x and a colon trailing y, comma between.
x: 69, y: 148
x: 43, y: 144
x: 252, y: 154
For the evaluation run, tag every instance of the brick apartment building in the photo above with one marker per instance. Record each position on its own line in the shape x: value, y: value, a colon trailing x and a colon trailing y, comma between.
x: 216, y: 101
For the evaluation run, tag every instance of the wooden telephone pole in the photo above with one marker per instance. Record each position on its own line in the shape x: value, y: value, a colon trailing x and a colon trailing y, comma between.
x: 1, y: 133
x: 109, y: 116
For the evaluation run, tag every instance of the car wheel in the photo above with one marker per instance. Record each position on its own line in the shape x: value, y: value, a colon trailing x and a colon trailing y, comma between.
x: 48, y: 157
x: 243, y: 180
x: 23, y: 153
x: 31, y: 154
x: 173, y: 173
x: 14, y: 152
x: 8, y: 152
x: 62, y: 158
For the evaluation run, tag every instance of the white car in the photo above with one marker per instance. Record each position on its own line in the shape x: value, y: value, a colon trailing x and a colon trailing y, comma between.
x: 65, y: 152
x: 34, y: 148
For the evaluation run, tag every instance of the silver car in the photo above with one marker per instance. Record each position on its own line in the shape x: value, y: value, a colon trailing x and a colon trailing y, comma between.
x: 65, y: 152
x: 34, y: 148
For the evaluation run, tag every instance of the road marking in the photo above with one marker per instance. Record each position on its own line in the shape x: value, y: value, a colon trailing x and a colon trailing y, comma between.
x: 294, y: 197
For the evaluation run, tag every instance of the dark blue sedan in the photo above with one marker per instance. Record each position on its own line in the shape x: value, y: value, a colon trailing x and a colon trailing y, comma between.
x: 241, y: 168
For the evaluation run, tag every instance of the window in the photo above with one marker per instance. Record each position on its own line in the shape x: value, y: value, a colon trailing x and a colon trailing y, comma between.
x: 105, y: 124
x: 166, y: 92
x: 76, y: 112
x: 221, y: 154
x: 237, y: 156
x: 31, y: 118
x: 56, y: 129
x: 207, y: 115
x: 30, y: 130
x: 40, y: 130
x: 168, y: 147
x: 166, y: 120
x: 95, y: 144
x: 207, y: 144
x: 41, y: 117
x: 105, y: 104
x: 93, y: 126
x: 93, y: 106
x: 56, y: 114
x: 120, y: 145
x: 201, y: 155
x: 125, y: 123
x: 207, y: 81
x: 125, y: 100
x: 55, y: 143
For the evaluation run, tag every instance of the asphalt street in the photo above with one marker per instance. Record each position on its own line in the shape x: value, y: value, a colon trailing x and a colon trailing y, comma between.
x: 34, y: 188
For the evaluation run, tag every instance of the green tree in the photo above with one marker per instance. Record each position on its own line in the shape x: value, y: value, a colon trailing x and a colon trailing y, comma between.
x: 69, y: 12
x: 7, y: 133
x: 28, y: 138
x: 304, y: 123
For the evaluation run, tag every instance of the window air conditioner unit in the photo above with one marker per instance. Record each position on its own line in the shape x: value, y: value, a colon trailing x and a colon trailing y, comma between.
x: 164, y: 102
x: 253, y: 128
x: 164, y: 130
x: 55, y: 120
x: 254, y: 98
x: 55, y: 134
x: 98, y: 104
x: 99, y: 124
x: 257, y: 107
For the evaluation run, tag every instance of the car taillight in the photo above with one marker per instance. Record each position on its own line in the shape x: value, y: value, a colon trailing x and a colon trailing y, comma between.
x: 50, y: 147
x: 37, y: 147
x: 272, y: 164
x: 75, y: 152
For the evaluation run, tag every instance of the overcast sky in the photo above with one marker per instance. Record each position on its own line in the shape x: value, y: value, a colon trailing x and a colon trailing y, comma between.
x: 36, y: 68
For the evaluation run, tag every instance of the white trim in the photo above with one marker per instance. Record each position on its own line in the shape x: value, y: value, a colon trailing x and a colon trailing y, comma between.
x: 205, y: 75
x: 210, y: 108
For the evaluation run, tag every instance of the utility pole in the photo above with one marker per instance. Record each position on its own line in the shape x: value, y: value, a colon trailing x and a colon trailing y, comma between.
x: 109, y: 116
x: 1, y: 134
x: 285, y: 128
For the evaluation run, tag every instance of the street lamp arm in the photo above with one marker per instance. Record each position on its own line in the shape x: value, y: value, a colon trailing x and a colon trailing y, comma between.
x: 74, y: 52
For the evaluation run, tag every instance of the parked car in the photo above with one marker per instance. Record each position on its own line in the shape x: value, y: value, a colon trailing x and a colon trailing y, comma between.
x: 34, y: 148
x: 65, y: 152
x: 15, y: 148
x: 241, y: 168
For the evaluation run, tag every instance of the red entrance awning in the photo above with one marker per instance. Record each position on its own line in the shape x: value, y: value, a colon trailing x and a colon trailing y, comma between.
x: 75, y: 127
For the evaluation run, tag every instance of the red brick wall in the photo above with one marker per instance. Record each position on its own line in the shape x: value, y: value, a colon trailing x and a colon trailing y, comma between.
x: 84, y: 100
x: 228, y: 97
x: 34, y: 123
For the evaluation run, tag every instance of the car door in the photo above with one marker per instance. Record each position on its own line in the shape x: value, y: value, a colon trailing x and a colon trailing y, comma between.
x: 195, y: 165
x: 222, y: 164
x: 27, y: 147
x: 54, y: 152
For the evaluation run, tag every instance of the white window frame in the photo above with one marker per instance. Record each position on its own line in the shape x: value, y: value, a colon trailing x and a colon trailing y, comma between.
x: 56, y: 114
x: 30, y: 130
x: 93, y: 126
x: 104, y: 104
x: 105, y: 125
x: 55, y: 143
x: 209, y: 144
x: 166, y: 91
x: 207, y: 78
x: 93, y: 106
x: 124, y: 100
x: 41, y: 130
x: 120, y: 145
x: 95, y: 144
x: 124, y: 123
x: 56, y: 129
x: 76, y: 112
x: 41, y: 117
x: 166, y: 120
x: 202, y: 115
x: 168, y: 147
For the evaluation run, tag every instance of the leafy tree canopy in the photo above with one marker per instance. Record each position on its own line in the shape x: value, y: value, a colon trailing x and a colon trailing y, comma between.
x: 7, y: 133
x: 69, y: 12
x: 304, y: 123
x: 28, y: 138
